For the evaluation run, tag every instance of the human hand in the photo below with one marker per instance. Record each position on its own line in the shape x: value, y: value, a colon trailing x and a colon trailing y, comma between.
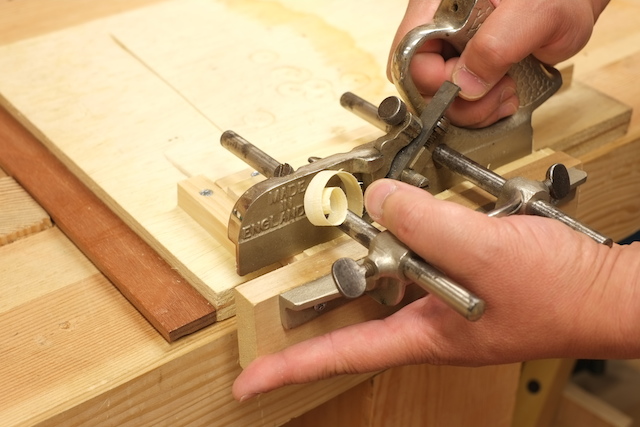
x: 550, y: 292
x: 550, y: 30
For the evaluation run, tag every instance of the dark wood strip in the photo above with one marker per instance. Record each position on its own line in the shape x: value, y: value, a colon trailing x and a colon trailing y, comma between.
x: 164, y: 297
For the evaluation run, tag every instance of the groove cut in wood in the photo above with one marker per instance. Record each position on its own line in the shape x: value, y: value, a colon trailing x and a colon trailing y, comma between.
x: 165, y: 298
x: 20, y: 215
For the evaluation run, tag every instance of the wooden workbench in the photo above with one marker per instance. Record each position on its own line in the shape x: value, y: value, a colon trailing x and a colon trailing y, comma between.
x: 73, y: 351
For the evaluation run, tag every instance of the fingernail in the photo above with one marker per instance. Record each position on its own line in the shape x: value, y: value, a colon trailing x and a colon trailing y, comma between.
x: 508, y: 92
x: 248, y: 397
x: 376, y: 195
x: 472, y: 87
x: 508, y: 108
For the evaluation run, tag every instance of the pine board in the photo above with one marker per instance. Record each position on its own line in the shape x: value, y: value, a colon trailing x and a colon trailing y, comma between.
x: 135, y: 103
x: 611, y: 197
x: 575, y: 111
x: 376, y: 403
x: 138, y: 137
x: 20, y: 215
x: 616, y: 36
x: 23, y: 19
x: 146, y: 381
x: 76, y: 353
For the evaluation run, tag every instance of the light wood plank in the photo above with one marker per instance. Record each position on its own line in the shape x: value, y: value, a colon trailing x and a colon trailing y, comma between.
x: 618, y: 80
x: 23, y: 19
x: 616, y: 35
x: 20, y: 215
x: 588, y: 118
x: 612, y: 193
x: 47, y: 251
x: 464, y: 396
x: 151, y: 110
x: 75, y: 353
x: 610, y: 199
x: 277, y: 96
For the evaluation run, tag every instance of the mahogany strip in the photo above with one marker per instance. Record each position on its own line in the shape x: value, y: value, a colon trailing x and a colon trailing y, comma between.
x: 164, y: 297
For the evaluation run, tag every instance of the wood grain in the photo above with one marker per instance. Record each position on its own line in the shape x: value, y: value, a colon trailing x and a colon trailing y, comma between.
x: 75, y: 352
x: 353, y: 408
x: 208, y: 205
x: 23, y: 19
x: 446, y: 396
x: 579, y: 119
x: 170, y: 304
x: 610, y: 199
x: 442, y: 396
x: 135, y: 103
x: 20, y: 215
x: 612, y: 193
x: 616, y: 36
x: 147, y: 381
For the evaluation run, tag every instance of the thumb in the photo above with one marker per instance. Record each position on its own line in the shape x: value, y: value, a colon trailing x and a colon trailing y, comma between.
x: 433, y: 229
x: 513, y: 31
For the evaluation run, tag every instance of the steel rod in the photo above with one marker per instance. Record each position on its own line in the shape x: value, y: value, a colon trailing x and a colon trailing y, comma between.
x: 546, y: 209
x: 435, y: 282
x: 253, y: 156
x: 359, y: 229
x: 474, y: 172
x: 363, y: 109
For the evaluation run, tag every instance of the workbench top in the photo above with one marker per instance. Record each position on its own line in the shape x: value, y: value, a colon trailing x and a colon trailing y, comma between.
x: 73, y: 351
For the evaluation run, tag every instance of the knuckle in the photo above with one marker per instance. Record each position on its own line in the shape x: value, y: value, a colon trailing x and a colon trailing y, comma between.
x: 493, y: 51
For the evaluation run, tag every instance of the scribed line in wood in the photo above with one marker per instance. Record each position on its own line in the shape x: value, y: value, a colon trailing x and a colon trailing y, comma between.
x: 164, y: 297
